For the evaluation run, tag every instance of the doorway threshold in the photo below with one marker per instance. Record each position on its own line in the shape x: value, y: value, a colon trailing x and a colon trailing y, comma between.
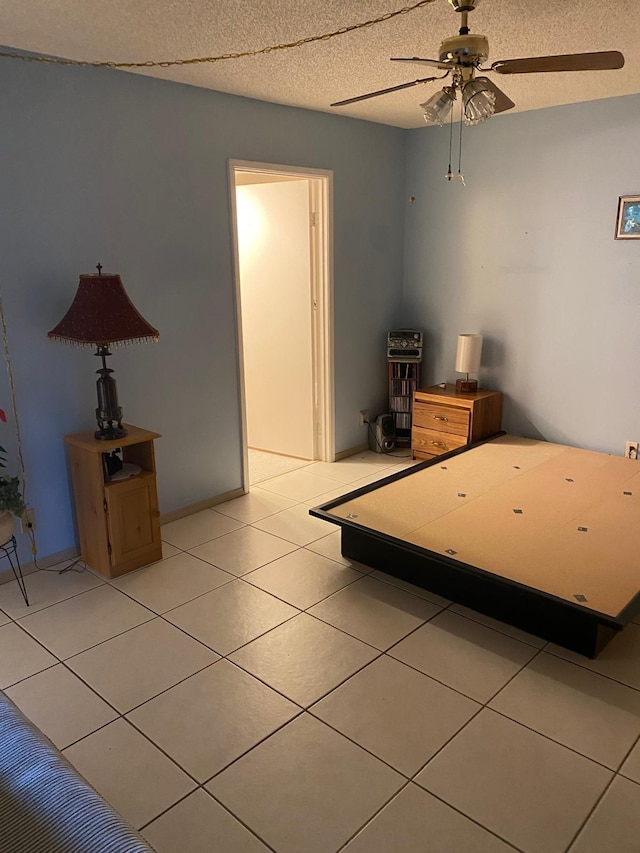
x: 264, y: 465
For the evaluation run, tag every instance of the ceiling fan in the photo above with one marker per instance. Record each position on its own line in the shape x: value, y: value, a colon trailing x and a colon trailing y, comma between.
x: 461, y: 56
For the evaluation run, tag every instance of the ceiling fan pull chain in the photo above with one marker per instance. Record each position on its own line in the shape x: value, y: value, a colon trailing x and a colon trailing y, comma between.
x: 460, y: 176
x: 449, y: 174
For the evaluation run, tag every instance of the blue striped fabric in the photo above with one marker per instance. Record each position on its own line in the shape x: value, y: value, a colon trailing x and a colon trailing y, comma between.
x: 45, y: 805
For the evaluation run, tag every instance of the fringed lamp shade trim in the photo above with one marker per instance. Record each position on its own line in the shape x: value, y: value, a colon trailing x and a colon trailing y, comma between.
x: 110, y: 344
x: 102, y: 314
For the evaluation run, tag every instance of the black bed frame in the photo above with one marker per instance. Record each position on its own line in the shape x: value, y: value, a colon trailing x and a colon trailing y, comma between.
x: 572, y: 626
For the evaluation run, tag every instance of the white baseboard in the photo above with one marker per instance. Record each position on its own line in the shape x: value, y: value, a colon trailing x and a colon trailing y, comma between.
x: 175, y: 514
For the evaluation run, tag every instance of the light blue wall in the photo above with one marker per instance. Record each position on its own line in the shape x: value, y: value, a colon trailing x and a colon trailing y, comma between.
x: 525, y: 255
x: 132, y: 172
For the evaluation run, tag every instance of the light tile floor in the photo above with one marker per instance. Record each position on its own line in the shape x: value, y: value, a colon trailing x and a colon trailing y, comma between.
x: 255, y: 691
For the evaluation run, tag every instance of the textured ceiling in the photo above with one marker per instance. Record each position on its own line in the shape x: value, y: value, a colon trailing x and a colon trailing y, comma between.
x: 315, y: 75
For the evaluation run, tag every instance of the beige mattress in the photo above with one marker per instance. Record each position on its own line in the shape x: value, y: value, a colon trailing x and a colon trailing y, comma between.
x: 555, y: 518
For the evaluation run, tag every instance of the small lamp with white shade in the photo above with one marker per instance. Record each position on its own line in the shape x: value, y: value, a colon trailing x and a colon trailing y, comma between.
x: 468, y: 357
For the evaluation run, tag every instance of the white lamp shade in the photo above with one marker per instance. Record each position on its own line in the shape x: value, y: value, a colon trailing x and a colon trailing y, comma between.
x: 469, y: 353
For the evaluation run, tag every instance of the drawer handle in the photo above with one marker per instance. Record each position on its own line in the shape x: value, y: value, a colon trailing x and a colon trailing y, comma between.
x: 439, y: 444
x: 439, y: 418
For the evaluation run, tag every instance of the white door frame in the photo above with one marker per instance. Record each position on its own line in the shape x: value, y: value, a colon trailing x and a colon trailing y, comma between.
x: 321, y: 242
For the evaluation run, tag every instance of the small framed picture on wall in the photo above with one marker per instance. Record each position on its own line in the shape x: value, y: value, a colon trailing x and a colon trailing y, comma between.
x: 628, y: 222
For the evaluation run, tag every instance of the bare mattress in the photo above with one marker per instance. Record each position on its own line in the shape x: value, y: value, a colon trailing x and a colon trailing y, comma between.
x: 540, y: 535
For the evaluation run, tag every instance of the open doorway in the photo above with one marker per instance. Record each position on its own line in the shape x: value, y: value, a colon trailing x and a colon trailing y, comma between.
x: 282, y: 248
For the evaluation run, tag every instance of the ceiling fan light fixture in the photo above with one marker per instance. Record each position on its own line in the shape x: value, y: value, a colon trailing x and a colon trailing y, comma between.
x: 464, y: 5
x: 479, y: 102
x: 437, y: 108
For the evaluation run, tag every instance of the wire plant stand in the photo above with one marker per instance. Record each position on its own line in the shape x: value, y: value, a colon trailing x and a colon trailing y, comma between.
x: 10, y: 550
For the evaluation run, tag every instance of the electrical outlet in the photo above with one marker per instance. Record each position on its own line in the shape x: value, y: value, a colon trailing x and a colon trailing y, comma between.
x: 363, y: 417
x: 631, y: 450
x: 28, y: 520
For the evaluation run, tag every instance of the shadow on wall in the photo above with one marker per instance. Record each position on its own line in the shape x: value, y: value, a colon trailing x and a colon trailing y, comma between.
x: 431, y: 344
x: 515, y: 420
x: 496, y: 366
x: 493, y: 354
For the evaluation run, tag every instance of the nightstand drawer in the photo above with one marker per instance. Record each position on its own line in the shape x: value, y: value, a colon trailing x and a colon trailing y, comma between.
x: 435, y: 416
x: 445, y: 419
x: 434, y: 442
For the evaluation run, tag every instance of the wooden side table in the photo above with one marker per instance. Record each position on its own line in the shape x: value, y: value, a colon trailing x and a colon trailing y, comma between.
x: 444, y: 419
x: 118, y: 520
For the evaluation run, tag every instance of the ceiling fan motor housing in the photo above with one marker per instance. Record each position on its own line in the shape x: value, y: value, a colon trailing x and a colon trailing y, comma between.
x: 464, y: 5
x: 465, y: 49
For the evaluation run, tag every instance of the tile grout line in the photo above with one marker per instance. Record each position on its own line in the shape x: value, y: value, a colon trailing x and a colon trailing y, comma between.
x: 300, y: 713
x: 486, y: 706
x: 595, y: 672
x: 590, y: 813
x: 497, y: 627
x: 101, y: 582
x: 123, y: 716
x: 288, y: 698
x: 552, y: 740
x: 407, y: 784
x: 57, y: 659
x: 240, y: 821
x: 635, y: 744
x: 218, y: 802
x: 374, y: 815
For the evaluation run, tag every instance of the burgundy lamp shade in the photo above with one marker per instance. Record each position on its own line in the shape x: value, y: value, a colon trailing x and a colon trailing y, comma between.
x: 101, y: 314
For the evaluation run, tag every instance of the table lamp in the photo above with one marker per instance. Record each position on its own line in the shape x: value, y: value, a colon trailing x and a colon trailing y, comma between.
x: 101, y: 315
x: 468, y: 361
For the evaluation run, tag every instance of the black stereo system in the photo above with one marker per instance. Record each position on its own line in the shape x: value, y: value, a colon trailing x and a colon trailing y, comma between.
x: 404, y: 345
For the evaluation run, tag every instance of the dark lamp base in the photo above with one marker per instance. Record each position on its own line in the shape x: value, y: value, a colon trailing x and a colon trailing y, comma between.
x: 466, y: 386
x: 110, y: 433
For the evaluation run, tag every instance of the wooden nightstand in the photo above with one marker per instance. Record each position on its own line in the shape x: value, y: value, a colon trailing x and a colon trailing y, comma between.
x: 118, y: 521
x: 444, y: 419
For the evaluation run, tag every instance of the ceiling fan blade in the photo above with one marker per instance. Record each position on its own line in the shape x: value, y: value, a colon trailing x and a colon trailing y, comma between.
x: 435, y: 63
x: 503, y: 102
x: 599, y: 61
x: 383, y: 91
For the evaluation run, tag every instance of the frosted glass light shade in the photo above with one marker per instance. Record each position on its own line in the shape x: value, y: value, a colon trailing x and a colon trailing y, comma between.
x: 479, y: 102
x: 438, y: 107
x: 468, y: 353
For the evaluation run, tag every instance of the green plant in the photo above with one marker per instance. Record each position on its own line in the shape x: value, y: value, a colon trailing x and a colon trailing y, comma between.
x: 10, y: 496
x: 10, y: 492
